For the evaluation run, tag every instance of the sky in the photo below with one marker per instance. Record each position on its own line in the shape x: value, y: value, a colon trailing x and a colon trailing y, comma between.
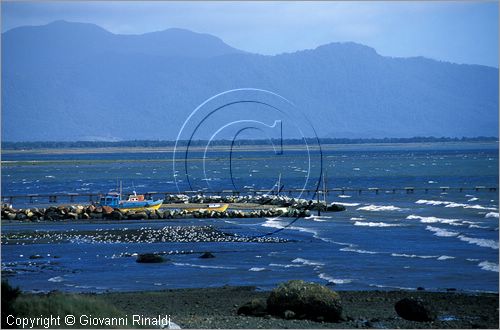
x: 453, y: 31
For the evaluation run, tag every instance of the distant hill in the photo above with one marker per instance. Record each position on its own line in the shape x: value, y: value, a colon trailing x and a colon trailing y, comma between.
x: 74, y: 81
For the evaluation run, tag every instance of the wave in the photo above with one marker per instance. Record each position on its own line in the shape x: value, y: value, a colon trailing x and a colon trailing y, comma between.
x: 444, y: 257
x: 483, y: 242
x: 452, y: 222
x: 346, y: 204
x: 392, y: 287
x: 473, y: 199
x: 273, y: 223
x: 330, y: 279
x: 318, y: 218
x: 202, y: 266
x: 477, y: 226
x: 441, y: 232
x: 344, y: 196
x: 412, y: 256
x: 376, y: 224
x: 307, y: 262
x: 351, y: 249
x: 453, y: 204
x: 491, y: 266
x: 378, y: 208
x: 256, y: 269
x: 491, y: 215
x: 56, y: 279
x: 285, y: 265
x: 358, y: 219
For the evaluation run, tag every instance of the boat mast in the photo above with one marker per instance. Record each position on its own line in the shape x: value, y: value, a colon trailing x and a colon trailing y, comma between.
x: 324, y: 186
x: 279, y: 185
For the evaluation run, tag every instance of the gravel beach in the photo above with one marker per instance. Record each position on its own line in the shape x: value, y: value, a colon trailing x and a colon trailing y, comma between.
x: 217, y: 308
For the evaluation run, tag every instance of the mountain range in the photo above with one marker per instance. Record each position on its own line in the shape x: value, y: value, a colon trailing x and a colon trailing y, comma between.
x: 68, y: 81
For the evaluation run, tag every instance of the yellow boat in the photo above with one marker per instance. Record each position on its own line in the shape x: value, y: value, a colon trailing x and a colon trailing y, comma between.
x: 133, y: 203
x: 209, y: 207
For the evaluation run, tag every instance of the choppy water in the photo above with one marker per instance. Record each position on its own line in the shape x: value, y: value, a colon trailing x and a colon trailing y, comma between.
x: 434, y: 240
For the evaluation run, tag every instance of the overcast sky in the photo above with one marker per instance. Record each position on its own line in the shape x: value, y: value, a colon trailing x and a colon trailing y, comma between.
x: 461, y: 32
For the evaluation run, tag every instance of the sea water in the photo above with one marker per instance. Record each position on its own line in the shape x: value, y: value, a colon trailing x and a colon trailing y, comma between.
x: 438, y: 240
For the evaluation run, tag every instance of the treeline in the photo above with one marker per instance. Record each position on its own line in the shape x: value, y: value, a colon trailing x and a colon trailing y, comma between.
x: 157, y: 143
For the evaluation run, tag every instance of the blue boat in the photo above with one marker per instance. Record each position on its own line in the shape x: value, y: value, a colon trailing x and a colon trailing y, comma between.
x: 133, y: 203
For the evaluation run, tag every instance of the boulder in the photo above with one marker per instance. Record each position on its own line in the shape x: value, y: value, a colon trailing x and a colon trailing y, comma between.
x: 307, y: 300
x: 36, y: 256
x: 414, y: 310
x: 116, y: 215
x: 149, y: 258
x: 95, y: 215
x: 107, y: 209
x: 138, y: 215
x: 256, y: 307
x: 335, y: 208
x: 288, y: 315
x: 207, y: 255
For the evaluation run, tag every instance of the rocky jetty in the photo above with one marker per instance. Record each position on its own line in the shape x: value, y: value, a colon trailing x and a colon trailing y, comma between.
x: 87, y: 212
x: 277, y: 200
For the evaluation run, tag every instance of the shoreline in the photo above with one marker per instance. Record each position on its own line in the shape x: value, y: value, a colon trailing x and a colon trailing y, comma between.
x: 246, y: 148
x: 217, y: 308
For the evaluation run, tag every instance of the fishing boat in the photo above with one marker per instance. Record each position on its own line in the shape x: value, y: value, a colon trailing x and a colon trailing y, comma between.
x: 133, y: 203
x: 208, y: 207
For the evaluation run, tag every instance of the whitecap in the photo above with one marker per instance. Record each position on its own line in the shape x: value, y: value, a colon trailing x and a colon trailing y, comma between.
x: 344, y: 196
x: 491, y: 215
x: 473, y: 199
x: 480, y: 241
x: 491, y: 266
x: 377, y: 208
x: 350, y: 249
x: 56, y: 279
x: 285, y: 265
x: 307, y: 262
x: 358, y: 219
x: 477, y: 226
x: 444, y: 257
x: 453, y: 222
x: 330, y: 279
x: 346, y: 204
x: 411, y: 256
x: 256, y: 269
x: 453, y: 204
x: 392, y: 287
x: 431, y: 202
x: 202, y: 266
x: 441, y: 232
x: 376, y: 224
x: 318, y: 218
x: 480, y: 207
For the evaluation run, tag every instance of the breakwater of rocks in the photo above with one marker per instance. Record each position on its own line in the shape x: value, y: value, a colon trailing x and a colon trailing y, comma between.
x: 276, y: 200
x: 91, y: 212
x: 283, y: 206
